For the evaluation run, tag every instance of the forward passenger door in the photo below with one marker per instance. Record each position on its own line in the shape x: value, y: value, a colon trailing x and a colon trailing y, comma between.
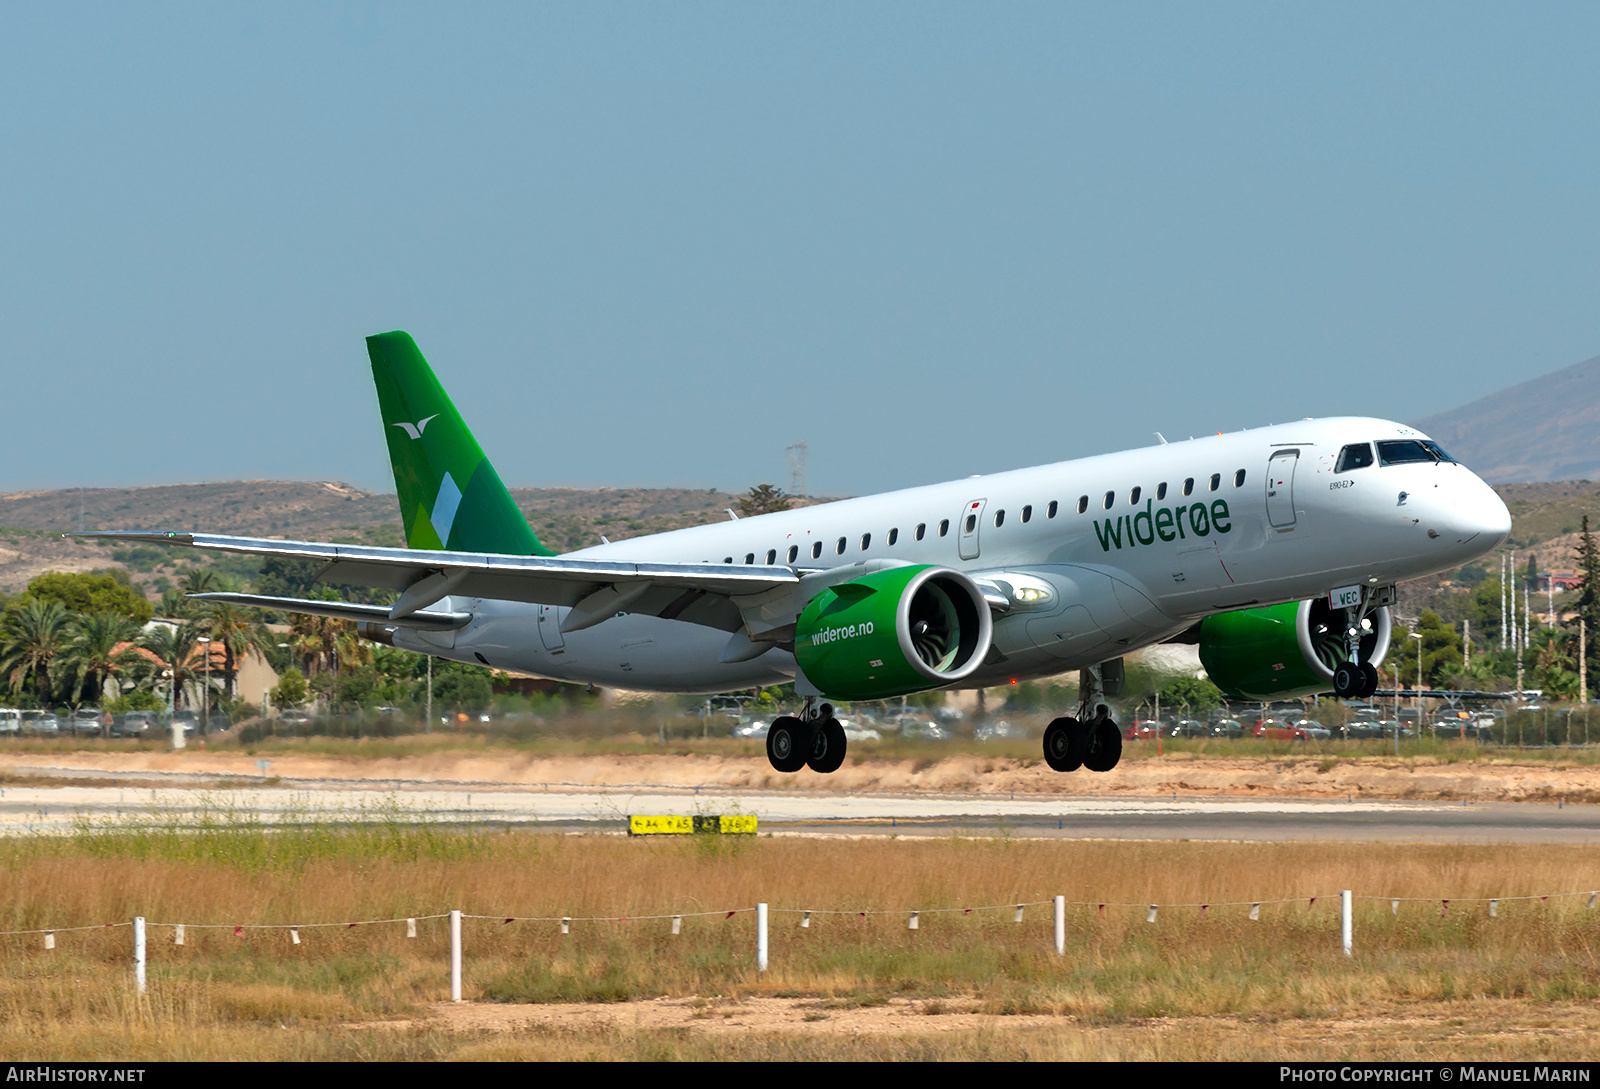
x: 970, y: 526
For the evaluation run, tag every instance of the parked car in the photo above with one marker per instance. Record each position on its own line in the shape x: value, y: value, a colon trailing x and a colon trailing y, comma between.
x: 918, y: 729
x: 1227, y: 727
x: 10, y: 722
x: 40, y: 724
x: 135, y: 724
x: 1314, y: 730
x: 1278, y: 730
x: 89, y: 720
x: 999, y: 729
x: 756, y: 727
x: 1141, y: 730
x: 855, y: 730
x: 730, y: 709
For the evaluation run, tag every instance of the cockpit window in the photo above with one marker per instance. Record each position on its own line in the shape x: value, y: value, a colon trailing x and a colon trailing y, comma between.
x: 1438, y: 451
x: 1358, y: 455
x: 1406, y: 451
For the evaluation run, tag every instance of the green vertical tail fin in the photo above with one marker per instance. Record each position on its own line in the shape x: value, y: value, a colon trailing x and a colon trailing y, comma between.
x: 450, y: 496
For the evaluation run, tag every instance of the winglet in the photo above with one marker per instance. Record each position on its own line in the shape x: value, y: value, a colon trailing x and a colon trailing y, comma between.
x: 450, y: 496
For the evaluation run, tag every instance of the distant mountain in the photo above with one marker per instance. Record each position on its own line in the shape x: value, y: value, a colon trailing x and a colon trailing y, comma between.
x: 1547, y: 428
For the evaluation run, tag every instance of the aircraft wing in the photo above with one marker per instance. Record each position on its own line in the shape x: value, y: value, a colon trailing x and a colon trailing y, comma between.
x: 343, y: 610
x: 594, y: 589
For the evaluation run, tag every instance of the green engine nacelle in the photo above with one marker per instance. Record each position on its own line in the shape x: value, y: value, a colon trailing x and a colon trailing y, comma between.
x: 891, y: 632
x: 1284, y: 651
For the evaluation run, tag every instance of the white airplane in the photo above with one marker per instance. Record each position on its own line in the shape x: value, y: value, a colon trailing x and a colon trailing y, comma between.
x: 1277, y: 550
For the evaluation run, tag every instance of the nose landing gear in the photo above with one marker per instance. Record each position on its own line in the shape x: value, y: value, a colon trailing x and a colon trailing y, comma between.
x: 1354, y: 678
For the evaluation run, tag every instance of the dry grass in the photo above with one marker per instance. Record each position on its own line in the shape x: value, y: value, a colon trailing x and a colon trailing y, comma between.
x: 258, y: 995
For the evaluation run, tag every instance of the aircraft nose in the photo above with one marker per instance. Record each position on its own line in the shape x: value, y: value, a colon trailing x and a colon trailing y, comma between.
x: 1477, y: 517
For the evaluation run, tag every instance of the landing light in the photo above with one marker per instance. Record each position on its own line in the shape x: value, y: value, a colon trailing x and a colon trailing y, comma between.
x: 1031, y: 595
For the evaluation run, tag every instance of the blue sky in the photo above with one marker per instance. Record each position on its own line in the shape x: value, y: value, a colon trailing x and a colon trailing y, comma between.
x: 654, y: 244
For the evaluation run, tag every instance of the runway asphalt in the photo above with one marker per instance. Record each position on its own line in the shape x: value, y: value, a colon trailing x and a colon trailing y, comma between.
x: 30, y: 809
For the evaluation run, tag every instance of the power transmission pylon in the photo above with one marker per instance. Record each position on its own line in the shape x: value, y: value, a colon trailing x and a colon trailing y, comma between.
x: 797, y: 467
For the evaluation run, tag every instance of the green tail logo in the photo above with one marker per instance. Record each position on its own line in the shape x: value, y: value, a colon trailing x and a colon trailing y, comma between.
x: 450, y: 496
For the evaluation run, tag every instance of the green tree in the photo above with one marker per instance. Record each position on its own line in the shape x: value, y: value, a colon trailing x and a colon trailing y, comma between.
x: 1555, y: 663
x: 1440, y: 648
x: 174, y: 606
x: 763, y: 499
x: 1198, y: 692
x: 89, y: 593
x: 291, y: 690
x: 460, y: 686
x: 178, y: 657
x: 33, y: 634
x: 285, y: 577
x: 239, y: 629
x: 325, y: 644
x: 357, y: 688
x: 98, y: 649
x: 1587, y: 602
x: 1485, y: 613
x: 199, y: 580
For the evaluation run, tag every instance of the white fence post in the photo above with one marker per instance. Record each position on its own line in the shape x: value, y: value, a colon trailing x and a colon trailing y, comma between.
x: 1344, y: 919
x: 455, y: 956
x: 761, y: 937
x: 1061, y: 926
x: 138, y: 953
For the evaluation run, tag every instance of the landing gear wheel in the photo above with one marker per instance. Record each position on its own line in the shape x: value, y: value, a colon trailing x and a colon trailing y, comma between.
x: 827, y: 747
x: 1066, y: 741
x: 1369, y: 679
x: 788, y: 742
x: 1105, y: 746
x: 1348, y: 681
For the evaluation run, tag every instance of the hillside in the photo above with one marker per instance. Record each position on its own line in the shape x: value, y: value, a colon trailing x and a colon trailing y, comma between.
x: 1545, y: 429
x: 564, y: 519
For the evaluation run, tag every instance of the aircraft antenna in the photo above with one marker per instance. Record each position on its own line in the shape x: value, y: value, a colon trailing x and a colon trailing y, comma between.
x: 797, y: 467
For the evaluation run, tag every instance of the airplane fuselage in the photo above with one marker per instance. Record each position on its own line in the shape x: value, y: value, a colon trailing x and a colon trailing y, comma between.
x: 1089, y: 559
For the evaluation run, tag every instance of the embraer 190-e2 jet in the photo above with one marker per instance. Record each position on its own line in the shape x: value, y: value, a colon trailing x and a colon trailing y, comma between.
x: 1276, y: 550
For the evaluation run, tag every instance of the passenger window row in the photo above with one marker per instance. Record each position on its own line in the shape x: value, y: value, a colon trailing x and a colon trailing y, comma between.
x: 970, y: 522
x: 840, y: 545
x: 1137, y: 493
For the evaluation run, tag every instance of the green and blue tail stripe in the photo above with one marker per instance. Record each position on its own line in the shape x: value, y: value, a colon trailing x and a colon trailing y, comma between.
x: 450, y: 496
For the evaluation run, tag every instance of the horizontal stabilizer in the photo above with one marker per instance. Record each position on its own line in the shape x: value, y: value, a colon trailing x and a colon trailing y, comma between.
x: 345, y: 610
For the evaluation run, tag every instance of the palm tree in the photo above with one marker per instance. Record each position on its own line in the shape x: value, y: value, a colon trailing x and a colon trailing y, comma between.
x: 97, y: 650
x: 177, y: 654
x: 201, y: 580
x: 239, y: 632
x: 315, y: 640
x: 32, y: 635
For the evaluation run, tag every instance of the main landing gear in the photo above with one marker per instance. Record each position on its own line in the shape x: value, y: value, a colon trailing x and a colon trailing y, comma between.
x: 1092, y: 740
x: 815, y: 740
